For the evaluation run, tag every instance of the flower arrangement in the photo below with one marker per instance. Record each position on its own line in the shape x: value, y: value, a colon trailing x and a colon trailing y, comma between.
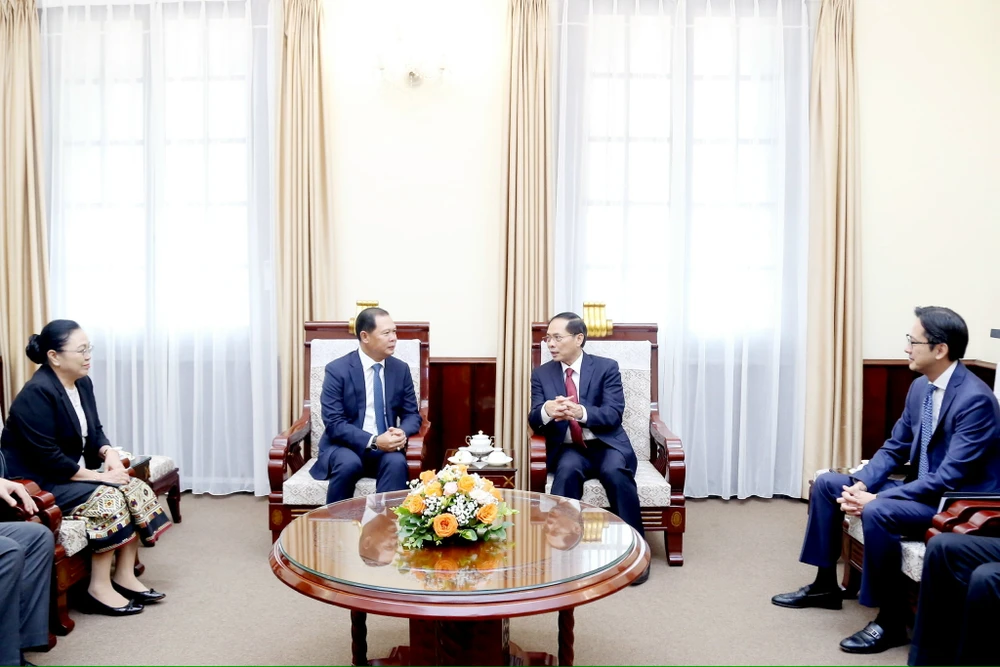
x: 452, y: 503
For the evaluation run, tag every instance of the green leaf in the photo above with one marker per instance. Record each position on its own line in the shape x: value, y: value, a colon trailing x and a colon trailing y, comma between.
x: 469, y: 534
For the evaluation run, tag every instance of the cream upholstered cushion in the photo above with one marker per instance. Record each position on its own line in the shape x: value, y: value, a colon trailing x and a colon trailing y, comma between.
x: 302, y: 489
x: 73, y: 536
x: 633, y: 357
x: 654, y: 490
x: 913, y: 550
x: 160, y: 466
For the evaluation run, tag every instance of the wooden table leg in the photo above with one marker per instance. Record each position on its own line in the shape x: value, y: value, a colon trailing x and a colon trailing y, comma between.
x: 359, y: 638
x: 566, y: 636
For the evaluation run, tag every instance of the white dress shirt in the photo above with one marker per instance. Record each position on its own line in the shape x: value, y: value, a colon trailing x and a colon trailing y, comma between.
x: 367, y: 363
x: 74, y: 398
x: 576, y: 365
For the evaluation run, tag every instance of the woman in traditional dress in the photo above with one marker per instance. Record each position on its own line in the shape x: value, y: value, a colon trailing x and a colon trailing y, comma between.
x: 53, y: 422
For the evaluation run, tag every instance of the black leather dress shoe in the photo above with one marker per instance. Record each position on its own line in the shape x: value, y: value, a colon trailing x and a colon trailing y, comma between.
x: 874, y: 639
x: 641, y: 579
x: 143, y: 597
x: 804, y: 597
x: 91, y: 605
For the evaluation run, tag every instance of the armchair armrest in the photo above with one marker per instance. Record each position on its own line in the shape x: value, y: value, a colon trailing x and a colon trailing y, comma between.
x: 415, y: 450
x: 286, y: 452
x: 968, y: 515
x: 669, y: 456
x: 49, y: 514
x: 537, y: 469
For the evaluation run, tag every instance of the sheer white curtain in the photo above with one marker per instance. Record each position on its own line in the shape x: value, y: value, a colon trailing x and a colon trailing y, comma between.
x: 681, y: 199
x: 159, y: 119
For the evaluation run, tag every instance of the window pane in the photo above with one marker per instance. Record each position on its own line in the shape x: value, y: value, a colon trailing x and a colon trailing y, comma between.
x: 185, y: 110
x: 606, y: 169
x: 650, y: 42
x: 185, y: 177
x: 227, y: 173
x: 714, y: 173
x: 126, y: 169
x: 606, y: 49
x: 758, y: 172
x: 714, y: 109
x: 605, y: 231
x: 228, y: 107
x: 649, y: 108
x: 606, y: 104
x: 125, y: 111
x: 649, y: 171
x: 713, y: 46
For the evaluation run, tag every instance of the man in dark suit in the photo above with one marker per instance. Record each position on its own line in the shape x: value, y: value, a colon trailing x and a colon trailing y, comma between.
x: 959, y: 602
x: 26, y: 552
x: 577, y: 402
x: 950, y: 434
x: 369, y: 409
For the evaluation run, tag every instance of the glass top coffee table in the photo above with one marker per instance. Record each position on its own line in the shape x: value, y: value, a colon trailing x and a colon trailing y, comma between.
x: 559, y: 554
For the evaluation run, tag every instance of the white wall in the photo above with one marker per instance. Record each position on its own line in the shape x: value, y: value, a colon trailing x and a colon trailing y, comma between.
x: 417, y: 171
x: 929, y: 76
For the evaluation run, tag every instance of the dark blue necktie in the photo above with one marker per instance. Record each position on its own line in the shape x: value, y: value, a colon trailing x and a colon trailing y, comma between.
x: 926, y: 431
x: 379, y: 401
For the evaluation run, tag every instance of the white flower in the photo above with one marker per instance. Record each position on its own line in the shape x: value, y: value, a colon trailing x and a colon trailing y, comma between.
x: 480, y: 496
x: 450, y: 488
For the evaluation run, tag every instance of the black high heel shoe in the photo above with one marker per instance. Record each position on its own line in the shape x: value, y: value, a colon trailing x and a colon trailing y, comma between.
x: 142, y: 597
x: 91, y: 605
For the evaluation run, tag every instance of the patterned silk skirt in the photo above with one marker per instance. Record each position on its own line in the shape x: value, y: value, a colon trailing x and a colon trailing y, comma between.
x: 115, y: 515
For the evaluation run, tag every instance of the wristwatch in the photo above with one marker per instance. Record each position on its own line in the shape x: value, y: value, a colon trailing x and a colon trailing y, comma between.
x: 371, y: 444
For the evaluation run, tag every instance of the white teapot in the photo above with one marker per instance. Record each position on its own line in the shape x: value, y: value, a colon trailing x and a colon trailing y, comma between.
x: 479, y: 444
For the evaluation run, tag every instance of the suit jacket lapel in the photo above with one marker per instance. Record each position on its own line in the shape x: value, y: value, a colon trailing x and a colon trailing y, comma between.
x: 957, y: 377
x: 586, y: 374
x: 64, y: 400
x: 358, y: 378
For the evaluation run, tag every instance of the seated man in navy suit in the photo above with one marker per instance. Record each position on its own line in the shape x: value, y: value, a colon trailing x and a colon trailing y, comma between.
x: 950, y: 434
x: 577, y: 402
x: 369, y: 410
x: 959, y: 602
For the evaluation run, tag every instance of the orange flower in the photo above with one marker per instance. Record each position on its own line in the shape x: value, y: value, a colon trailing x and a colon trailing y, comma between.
x: 496, y: 493
x: 487, y: 513
x: 462, y: 469
x: 427, y: 475
x: 445, y: 525
x: 488, y: 484
x: 433, y: 489
x: 414, y: 503
x: 466, y: 483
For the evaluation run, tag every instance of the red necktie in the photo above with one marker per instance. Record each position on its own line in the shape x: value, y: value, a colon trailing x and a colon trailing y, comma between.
x: 576, y: 431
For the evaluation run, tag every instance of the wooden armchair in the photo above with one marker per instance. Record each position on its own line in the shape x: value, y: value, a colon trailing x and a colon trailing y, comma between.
x: 661, y: 472
x: 48, y: 515
x: 980, y: 516
x: 293, y: 452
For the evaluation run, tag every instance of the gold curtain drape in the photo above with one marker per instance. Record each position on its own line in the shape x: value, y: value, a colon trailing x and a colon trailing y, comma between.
x: 834, y: 357
x: 526, y: 279
x: 23, y: 246
x: 304, y: 195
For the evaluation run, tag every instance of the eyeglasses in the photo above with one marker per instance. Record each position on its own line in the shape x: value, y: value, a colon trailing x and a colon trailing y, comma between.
x: 556, y: 337
x: 82, y: 350
x: 911, y: 342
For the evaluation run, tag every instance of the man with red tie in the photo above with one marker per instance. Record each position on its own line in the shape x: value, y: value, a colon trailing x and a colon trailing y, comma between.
x: 577, y: 402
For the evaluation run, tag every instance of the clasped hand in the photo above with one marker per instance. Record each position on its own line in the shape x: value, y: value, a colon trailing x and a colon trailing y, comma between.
x: 8, y: 491
x: 392, y: 440
x: 854, y: 498
x: 563, y: 408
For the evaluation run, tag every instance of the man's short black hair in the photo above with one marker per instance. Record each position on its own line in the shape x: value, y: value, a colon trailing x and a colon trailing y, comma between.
x: 574, y: 324
x: 944, y: 325
x: 365, y: 321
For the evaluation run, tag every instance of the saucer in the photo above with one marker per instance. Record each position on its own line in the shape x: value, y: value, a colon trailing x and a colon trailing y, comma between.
x: 460, y: 462
x: 507, y: 459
